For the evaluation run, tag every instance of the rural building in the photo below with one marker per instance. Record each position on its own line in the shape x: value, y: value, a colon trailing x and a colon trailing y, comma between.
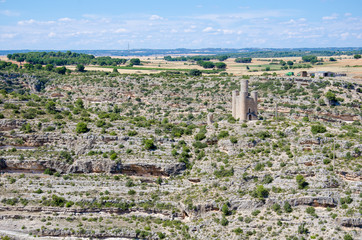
x: 303, y: 74
x: 245, y: 107
x: 322, y: 74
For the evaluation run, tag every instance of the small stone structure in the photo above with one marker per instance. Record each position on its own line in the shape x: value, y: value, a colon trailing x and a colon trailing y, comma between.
x: 245, y: 107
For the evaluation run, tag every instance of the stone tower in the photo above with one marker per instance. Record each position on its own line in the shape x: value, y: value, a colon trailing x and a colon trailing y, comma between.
x: 245, y: 107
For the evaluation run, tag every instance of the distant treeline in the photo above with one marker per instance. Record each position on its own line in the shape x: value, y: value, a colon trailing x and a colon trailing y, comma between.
x: 64, y: 58
x: 243, y: 60
x: 7, y: 66
x: 299, y: 53
x: 196, y: 58
x: 243, y: 56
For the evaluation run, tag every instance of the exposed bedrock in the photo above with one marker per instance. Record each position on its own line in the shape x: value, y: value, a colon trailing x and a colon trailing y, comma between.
x: 122, y: 234
x: 10, y: 124
x: 143, y: 169
x: 93, y: 166
x: 314, y: 201
x: 350, y: 222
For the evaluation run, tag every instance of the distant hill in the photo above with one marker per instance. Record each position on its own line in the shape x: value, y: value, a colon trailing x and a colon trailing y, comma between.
x: 231, y: 52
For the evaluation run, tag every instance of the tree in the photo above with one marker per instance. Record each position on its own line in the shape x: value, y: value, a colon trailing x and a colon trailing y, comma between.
x: 287, y: 208
x: 159, y: 181
x: 195, y: 72
x: 81, y: 128
x: 135, y: 61
x: 79, y: 103
x: 49, y: 67
x: 290, y: 63
x: 331, y: 97
x: 50, y: 107
x: 38, y: 66
x: 20, y: 59
x: 80, y: 67
x: 331, y: 59
x: 60, y: 70
x: 225, y: 209
x: 310, y: 58
x: 208, y: 64
x: 243, y: 60
x: 301, y: 182
x: 357, y: 56
x: 220, y: 65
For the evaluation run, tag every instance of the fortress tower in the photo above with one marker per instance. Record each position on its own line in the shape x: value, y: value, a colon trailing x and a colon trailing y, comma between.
x: 245, y: 107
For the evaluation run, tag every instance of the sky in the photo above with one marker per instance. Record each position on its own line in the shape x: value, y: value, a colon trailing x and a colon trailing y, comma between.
x: 169, y: 24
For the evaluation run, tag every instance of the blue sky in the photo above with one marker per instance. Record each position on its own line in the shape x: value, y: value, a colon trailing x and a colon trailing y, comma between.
x: 111, y: 24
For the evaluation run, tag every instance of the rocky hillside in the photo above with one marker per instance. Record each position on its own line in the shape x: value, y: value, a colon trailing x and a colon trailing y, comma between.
x: 98, y: 155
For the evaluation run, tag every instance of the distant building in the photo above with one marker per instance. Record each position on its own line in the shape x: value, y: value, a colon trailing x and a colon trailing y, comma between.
x: 245, y: 107
x: 322, y: 74
x: 303, y: 74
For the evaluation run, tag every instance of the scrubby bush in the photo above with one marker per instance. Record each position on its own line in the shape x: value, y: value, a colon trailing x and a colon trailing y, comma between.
x: 82, y: 128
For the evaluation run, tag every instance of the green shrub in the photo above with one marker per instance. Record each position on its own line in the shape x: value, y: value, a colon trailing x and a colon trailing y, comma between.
x: 287, y: 208
x: 267, y: 179
x: 223, y: 134
x: 149, y: 144
x: 113, y: 156
x: 276, y: 207
x: 260, y: 192
x: 233, y: 139
x: 318, y: 129
x: 347, y: 237
x: 39, y: 191
x: 301, y: 182
x: 132, y: 133
x: 82, y: 128
x: 224, y: 221
x: 48, y: 171
x: 225, y: 209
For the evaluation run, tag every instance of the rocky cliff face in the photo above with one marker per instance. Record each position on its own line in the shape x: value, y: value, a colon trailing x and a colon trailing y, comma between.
x: 92, y: 166
x: 9, y: 124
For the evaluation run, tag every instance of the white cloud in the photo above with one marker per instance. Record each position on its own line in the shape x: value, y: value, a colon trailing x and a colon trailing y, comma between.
x: 227, y: 31
x: 208, y: 29
x: 344, y: 35
x: 7, y: 36
x: 9, y: 13
x: 32, y: 21
x: 188, y: 30
x: 348, y: 14
x: 64, y: 19
x: 120, y: 30
x: 248, y: 29
x: 25, y: 22
x: 332, y: 17
x: 155, y: 17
